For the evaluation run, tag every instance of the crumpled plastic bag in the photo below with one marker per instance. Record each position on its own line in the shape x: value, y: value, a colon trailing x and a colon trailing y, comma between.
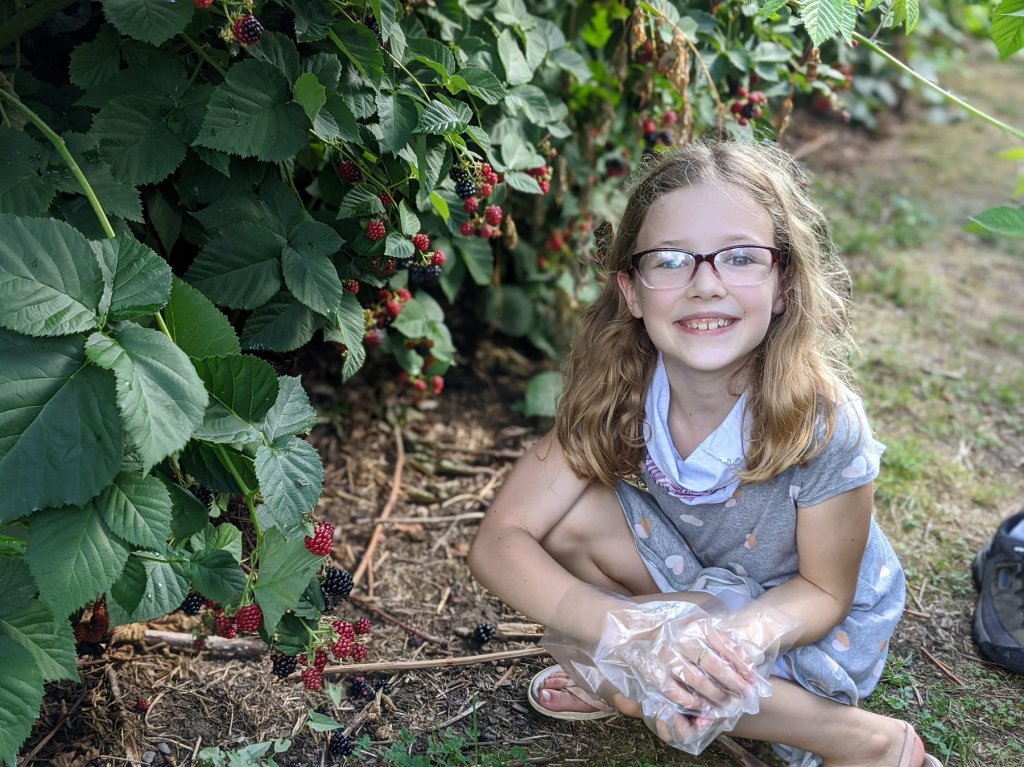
x: 693, y: 669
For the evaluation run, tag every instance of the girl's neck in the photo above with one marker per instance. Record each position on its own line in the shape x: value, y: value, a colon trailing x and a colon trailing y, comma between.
x: 698, y: 406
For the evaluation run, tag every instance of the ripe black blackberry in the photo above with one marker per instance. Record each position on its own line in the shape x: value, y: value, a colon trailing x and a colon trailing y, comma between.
x: 458, y: 174
x: 193, y: 603
x: 465, y: 188
x: 337, y: 585
x: 203, y: 494
x: 360, y: 688
x: 484, y: 633
x: 371, y: 22
x: 283, y: 665
x: 423, y: 275
x: 341, y: 744
x: 247, y: 29
x: 383, y: 684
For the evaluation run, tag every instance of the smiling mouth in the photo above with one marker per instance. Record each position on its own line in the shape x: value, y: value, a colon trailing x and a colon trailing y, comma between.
x: 707, y: 324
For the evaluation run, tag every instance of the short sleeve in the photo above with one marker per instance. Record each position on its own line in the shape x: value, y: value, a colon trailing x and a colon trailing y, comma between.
x: 850, y: 459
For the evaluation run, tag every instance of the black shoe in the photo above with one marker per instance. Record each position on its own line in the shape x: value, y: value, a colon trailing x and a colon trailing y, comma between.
x: 998, y: 572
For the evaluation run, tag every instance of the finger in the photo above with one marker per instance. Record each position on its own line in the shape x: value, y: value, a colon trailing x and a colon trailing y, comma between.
x: 626, y: 706
x: 720, y: 670
x: 698, y: 680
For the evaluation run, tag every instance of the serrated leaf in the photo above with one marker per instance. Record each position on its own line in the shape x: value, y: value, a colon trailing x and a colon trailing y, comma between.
x: 25, y: 188
x: 73, y: 556
x: 1008, y: 27
x: 291, y: 478
x: 349, y: 331
x: 17, y: 588
x: 281, y: 325
x: 152, y: 21
x: 321, y: 723
x: 252, y: 115
x: 398, y: 246
x: 409, y: 222
x: 206, y: 463
x: 140, y: 279
x: 479, y: 82
x: 285, y: 569
x: 240, y: 267
x: 291, y: 413
x: 517, y: 70
x: 241, y: 384
x: 312, y: 21
x: 824, y: 19
x: 50, y: 642
x: 217, y: 575
x: 906, y: 12
x: 198, y: 327
x: 309, y: 94
x: 325, y: 67
x: 137, y: 508
x: 343, y: 119
x: 308, y: 269
x: 439, y: 119
x: 1002, y: 220
x: 159, y: 394
x: 95, y: 62
x: 522, y: 182
x: 532, y: 101
x: 280, y: 52
x: 21, y: 694
x: 60, y: 432
x: 360, y: 46
x: 223, y: 537
x: 134, y: 133
x: 117, y: 197
x: 149, y: 588
x: 188, y: 514
x: 398, y: 120
x: 569, y: 60
x: 361, y: 200
x: 433, y: 54
x: 50, y: 283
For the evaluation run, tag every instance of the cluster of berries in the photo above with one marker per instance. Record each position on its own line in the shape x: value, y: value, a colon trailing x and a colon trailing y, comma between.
x: 349, y: 171
x: 655, y: 135
x: 248, y: 619
x: 340, y: 643
x: 474, y: 189
x: 543, y: 175
x: 747, y: 106
x: 425, y: 265
x: 382, y: 313
x: 322, y: 542
x: 419, y: 383
x: 553, y: 245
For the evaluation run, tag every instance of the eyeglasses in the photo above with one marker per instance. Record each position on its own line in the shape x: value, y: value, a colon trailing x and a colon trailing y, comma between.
x: 737, y: 265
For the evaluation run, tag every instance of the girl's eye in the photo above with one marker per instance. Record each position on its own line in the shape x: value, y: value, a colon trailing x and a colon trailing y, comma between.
x: 670, y: 260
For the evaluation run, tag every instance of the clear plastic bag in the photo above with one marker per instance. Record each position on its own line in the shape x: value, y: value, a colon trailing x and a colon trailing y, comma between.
x: 693, y: 669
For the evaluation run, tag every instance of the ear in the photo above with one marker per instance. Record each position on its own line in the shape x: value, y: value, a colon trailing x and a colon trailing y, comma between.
x: 628, y: 288
x: 779, y: 303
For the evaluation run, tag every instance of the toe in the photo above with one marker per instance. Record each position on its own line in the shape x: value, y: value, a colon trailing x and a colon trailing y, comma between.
x: 562, y: 700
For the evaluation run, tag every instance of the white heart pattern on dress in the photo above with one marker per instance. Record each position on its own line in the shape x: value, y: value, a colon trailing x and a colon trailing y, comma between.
x: 858, y: 468
x: 676, y: 564
x: 691, y: 520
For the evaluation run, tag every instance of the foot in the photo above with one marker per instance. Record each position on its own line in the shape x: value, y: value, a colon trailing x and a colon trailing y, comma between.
x: 892, y: 743
x: 558, y: 692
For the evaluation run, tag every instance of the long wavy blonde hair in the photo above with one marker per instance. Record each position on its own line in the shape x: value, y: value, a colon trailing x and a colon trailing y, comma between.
x: 793, y: 378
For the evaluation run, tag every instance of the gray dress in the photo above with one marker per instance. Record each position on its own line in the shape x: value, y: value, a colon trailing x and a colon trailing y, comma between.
x: 748, y: 544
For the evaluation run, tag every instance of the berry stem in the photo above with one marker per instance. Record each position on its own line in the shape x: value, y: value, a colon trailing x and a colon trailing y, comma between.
x: 202, y: 54
x: 62, y: 148
x: 973, y: 111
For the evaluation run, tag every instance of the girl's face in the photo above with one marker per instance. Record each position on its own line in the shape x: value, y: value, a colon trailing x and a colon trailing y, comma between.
x: 706, y: 327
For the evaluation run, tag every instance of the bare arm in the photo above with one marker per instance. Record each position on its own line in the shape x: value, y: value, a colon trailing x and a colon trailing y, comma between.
x: 830, y: 539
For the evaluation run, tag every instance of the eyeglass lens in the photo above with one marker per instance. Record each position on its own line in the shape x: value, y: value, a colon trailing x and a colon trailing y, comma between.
x: 745, y: 265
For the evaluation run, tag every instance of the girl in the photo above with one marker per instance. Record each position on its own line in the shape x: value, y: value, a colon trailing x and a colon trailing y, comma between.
x: 707, y: 440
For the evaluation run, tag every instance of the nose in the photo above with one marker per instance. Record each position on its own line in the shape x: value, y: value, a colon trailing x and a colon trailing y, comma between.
x: 705, y: 283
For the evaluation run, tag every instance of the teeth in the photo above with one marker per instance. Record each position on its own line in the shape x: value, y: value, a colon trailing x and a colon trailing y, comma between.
x: 707, y: 324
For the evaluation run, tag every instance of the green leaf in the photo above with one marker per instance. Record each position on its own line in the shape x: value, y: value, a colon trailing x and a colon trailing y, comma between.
x: 60, y: 432
x: 241, y: 384
x: 165, y: 218
x: 308, y: 269
x: 223, y: 537
x: 312, y: 21
x: 478, y: 257
x: 17, y: 588
x: 360, y: 45
x: 441, y: 119
x: 291, y: 478
x: 522, y: 182
x: 134, y: 133
x: 434, y: 54
x: 349, y: 330
x: 517, y: 70
x: 50, y: 283
x: 310, y: 94
x: 398, y: 246
x: 198, y: 327
x: 343, y: 120
x: 206, y: 463
x: 252, y: 115
x: 50, y: 642
x: 280, y: 325
x: 217, y: 575
x: 542, y: 392
x: 408, y: 220
x: 117, y: 197
x: 824, y: 19
x: 285, y: 569
x: 96, y: 62
x: 152, y: 21
x: 532, y: 101
x: 398, y: 120
x: 572, y: 62
x: 511, y: 308
x: 280, y: 52
x: 137, y: 508
x: 140, y: 279
x: 188, y: 514
x: 73, y: 556
x: 361, y: 200
x: 239, y: 267
x: 21, y: 694
x: 480, y: 82
x: 25, y: 187
x: 291, y: 413
x: 1008, y: 27
x: 149, y: 588
x: 160, y: 397
x: 321, y: 723
x: 420, y: 317
x: 1002, y: 220
x: 906, y: 12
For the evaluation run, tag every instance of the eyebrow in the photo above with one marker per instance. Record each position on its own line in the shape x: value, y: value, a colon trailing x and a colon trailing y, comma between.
x: 735, y: 239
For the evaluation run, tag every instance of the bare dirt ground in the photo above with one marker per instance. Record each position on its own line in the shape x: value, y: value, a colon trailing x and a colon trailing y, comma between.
x: 434, y: 470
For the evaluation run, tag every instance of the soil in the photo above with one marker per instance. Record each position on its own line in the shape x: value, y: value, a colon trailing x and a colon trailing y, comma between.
x: 433, y: 468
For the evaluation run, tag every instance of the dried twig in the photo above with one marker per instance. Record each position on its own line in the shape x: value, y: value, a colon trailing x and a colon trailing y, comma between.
x: 401, y: 624
x: 946, y: 670
x: 471, y: 709
x: 241, y: 648
x: 409, y: 665
x: 378, y: 529
x: 737, y: 752
x: 27, y: 759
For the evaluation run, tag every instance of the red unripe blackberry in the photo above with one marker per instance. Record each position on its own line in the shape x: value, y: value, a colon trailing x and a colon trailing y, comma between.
x: 437, y: 385
x: 193, y: 604
x: 419, y: 385
x: 283, y: 665
x: 374, y: 338
x: 349, y: 171
x: 465, y: 188
x: 393, y: 309
x: 247, y: 29
x: 344, y: 629
x: 203, y: 3
x: 337, y: 584
x: 484, y: 633
x: 362, y: 626
x: 359, y: 651
x: 437, y: 258
x: 142, y: 705
x: 312, y: 678
x: 376, y: 230
x: 471, y: 204
x: 320, y: 660
x: 322, y: 541
x: 649, y: 126
x: 487, y: 231
x: 493, y: 215
x: 342, y: 648
x: 741, y: 92
x: 341, y: 744
x: 385, y: 199
x: 352, y: 286
x: 403, y: 294
x: 249, y: 618
x: 545, y: 186
x: 360, y: 688
x: 485, y: 170
x: 468, y: 229
x: 225, y: 627
x: 421, y: 242
x: 485, y: 189
x: 670, y: 117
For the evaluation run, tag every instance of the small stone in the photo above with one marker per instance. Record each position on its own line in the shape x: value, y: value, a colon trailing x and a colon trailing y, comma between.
x: 149, y: 756
x: 163, y: 748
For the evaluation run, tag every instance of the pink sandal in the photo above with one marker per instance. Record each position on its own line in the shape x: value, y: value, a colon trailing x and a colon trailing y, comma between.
x: 914, y: 754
